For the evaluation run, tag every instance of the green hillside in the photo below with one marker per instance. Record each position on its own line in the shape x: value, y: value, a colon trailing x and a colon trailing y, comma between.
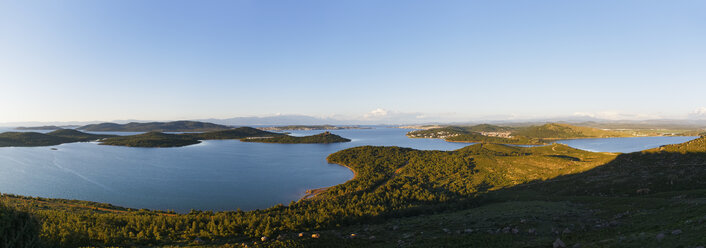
x: 174, y: 126
x: 322, y: 138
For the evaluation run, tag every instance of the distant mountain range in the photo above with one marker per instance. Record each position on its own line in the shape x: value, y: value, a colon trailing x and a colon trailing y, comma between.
x: 283, y: 120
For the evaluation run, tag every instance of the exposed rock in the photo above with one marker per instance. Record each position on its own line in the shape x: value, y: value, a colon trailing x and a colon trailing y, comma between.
x: 506, y: 229
x: 468, y: 230
x: 566, y: 231
x: 301, y: 235
x: 660, y: 236
x: 676, y: 232
x: 315, y: 235
x: 263, y: 239
x: 372, y: 237
x: 558, y: 243
x: 353, y: 235
x: 395, y: 227
x: 532, y: 231
x: 515, y: 230
x: 446, y: 230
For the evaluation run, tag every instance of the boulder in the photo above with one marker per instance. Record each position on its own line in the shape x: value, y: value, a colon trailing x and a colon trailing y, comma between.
x: 660, y: 236
x: 676, y: 232
x: 315, y: 235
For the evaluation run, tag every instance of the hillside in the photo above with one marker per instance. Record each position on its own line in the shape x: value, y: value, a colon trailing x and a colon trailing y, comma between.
x: 322, y: 138
x: 174, y: 126
x: 57, y: 137
x: 483, y: 195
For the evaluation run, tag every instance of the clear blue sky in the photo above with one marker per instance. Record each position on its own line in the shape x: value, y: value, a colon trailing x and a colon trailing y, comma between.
x: 434, y: 60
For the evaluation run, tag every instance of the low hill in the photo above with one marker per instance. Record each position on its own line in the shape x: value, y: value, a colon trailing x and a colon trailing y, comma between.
x: 57, y: 137
x: 151, y: 139
x: 565, y: 131
x: 322, y: 138
x: 174, y: 126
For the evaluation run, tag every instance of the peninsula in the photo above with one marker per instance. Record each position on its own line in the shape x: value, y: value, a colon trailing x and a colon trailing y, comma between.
x: 531, y: 135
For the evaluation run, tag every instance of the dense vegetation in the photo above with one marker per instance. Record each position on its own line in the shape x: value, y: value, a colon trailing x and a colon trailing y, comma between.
x: 482, y: 195
x: 174, y: 126
x: 532, y: 135
x: 322, y: 138
x: 18, y: 229
x: 57, y: 137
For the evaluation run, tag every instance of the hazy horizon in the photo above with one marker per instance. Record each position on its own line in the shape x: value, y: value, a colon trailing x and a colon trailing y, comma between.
x: 366, y: 61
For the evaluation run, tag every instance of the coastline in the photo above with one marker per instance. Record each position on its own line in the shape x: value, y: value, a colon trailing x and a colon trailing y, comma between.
x: 312, y: 193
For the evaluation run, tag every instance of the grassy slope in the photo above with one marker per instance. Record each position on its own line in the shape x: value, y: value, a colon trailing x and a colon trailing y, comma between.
x: 322, y: 138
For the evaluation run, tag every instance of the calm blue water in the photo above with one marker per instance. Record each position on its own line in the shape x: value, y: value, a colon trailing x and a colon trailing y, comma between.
x: 213, y: 175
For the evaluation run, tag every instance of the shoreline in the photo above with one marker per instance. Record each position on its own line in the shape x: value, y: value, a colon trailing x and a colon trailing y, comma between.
x: 312, y: 193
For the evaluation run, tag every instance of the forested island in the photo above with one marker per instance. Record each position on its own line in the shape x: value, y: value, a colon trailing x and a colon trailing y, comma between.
x: 311, y: 127
x: 531, y: 135
x: 158, y: 139
x: 61, y: 136
x: 174, y: 126
x: 484, y: 195
x: 322, y: 138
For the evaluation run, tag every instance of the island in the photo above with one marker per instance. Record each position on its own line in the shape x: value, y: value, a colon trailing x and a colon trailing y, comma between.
x: 322, y: 138
x: 61, y: 136
x: 174, y: 126
x: 159, y: 139
x: 483, y: 195
x: 311, y: 127
x: 245, y: 134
